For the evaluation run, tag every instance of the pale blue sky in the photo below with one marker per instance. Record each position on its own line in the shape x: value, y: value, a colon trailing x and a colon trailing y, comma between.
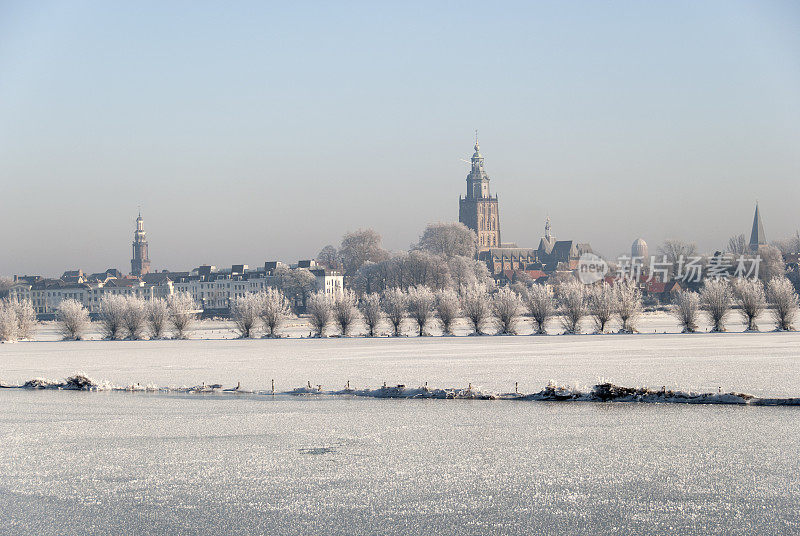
x: 252, y: 130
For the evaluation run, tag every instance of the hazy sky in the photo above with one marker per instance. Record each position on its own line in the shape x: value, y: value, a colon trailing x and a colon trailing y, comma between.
x: 254, y: 131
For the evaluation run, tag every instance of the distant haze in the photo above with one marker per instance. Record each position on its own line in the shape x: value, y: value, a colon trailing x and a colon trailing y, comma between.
x: 254, y: 131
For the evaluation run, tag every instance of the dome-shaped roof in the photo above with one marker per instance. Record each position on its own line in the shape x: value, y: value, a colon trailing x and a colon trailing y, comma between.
x: 639, y: 248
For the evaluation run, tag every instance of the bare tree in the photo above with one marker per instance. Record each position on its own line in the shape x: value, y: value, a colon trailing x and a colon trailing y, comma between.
x: 182, y: 310
x: 572, y: 298
x: 447, y: 308
x: 274, y: 310
x: 448, y: 240
x: 629, y: 304
x: 538, y: 300
x: 506, y: 307
x: 73, y: 319
x: 685, y: 308
x: 345, y: 311
x: 783, y: 299
x: 329, y: 256
x: 715, y: 298
x: 245, y: 313
x: 8, y: 321
x: 113, y: 309
x: 475, y: 306
x: 420, y: 306
x: 394, y: 304
x: 675, y: 252
x: 359, y: 247
x: 135, y: 317
x: 370, y: 307
x: 319, y: 312
x: 26, y: 318
x: 749, y: 296
x: 602, y: 305
x: 157, y: 317
x: 737, y: 245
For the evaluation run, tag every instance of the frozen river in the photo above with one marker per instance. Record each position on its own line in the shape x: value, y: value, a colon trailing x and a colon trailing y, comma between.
x: 156, y: 463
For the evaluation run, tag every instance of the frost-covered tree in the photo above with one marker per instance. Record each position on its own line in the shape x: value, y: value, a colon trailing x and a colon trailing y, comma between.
x: 629, y: 304
x: 572, y: 297
x: 686, y: 308
x: 749, y: 296
x: 467, y: 272
x: 783, y: 299
x: 274, y: 311
x: 772, y: 265
x: 135, y: 317
x: 359, y: 247
x: 788, y: 246
x: 475, y: 306
x: 157, y: 317
x: 182, y: 312
x: 448, y: 240
x: 715, y: 298
x: 538, y: 300
x: 602, y: 305
x: 448, y: 307
x: 420, y: 268
x: 345, y: 311
x: 281, y: 279
x: 302, y: 283
x: 319, y: 312
x: 113, y: 309
x: 370, y: 307
x: 245, y: 313
x: 26, y: 318
x: 394, y: 304
x: 73, y: 319
x: 506, y: 307
x: 8, y: 321
x: 420, y: 306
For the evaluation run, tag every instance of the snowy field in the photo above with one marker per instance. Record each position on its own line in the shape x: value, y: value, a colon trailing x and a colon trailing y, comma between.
x: 176, y: 463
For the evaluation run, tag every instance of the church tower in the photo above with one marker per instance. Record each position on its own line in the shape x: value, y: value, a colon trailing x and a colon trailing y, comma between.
x: 479, y: 210
x: 140, y: 263
x: 757, y: 237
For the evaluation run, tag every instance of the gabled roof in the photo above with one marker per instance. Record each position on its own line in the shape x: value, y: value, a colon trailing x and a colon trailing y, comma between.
x: 155, y: 278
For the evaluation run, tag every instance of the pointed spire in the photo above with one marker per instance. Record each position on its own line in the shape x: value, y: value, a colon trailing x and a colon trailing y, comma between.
x: 757, y: 235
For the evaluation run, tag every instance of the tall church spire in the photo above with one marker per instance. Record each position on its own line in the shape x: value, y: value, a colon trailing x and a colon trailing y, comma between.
x: 757, y: 236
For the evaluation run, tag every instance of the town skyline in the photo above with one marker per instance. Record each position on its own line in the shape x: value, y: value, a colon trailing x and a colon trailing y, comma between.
x: 277, y: 143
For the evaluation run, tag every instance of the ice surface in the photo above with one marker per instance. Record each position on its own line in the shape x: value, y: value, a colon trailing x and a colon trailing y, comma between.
x: 104, y: 462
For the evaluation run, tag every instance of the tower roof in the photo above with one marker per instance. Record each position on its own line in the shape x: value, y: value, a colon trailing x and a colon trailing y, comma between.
x: 757, y: 236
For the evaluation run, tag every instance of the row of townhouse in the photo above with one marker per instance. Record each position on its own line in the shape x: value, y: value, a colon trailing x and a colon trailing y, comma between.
x: 212, y: 289
x: 46, y: 294
x: 216, y: 289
